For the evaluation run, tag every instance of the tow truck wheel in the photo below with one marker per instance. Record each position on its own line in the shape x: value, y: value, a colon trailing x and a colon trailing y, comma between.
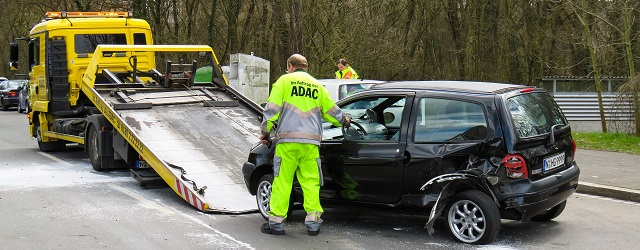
x: 48, y: 146
x: 473, y: 218
x: 92, y: 148
x: 263, y: 196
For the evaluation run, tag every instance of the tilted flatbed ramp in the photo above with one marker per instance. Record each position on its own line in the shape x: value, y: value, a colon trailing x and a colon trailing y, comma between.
x: 205, y: 145
x: 195, y: 139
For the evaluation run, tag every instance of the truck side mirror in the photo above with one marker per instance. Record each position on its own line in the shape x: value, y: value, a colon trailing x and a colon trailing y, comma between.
x: 13, y: 56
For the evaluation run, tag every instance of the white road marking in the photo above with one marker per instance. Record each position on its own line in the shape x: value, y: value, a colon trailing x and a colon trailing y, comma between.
x: 608, y: 199
x: 145, y: 202
x: 202, y: 223
x: 61, y: 161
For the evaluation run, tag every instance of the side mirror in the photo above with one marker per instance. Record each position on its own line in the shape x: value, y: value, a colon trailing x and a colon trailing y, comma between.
x: 13, y: 56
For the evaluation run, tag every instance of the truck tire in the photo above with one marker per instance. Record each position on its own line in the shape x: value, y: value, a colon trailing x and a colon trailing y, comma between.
x: 48, y: 146
x: 263, y: 196
x: 473, y: 218
x: 98, y: 162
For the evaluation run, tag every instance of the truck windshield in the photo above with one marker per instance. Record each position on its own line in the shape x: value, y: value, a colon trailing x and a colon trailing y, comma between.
x: 87, y: 43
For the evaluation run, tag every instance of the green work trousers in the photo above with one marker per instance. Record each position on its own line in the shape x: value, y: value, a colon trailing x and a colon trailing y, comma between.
x: 303, y: 160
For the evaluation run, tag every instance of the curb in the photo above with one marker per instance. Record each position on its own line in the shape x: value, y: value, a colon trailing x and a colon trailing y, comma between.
x: 609, y: 191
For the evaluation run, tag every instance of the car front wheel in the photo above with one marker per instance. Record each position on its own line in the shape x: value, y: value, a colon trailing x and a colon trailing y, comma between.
x: 473, y: 218
x: 263, y: 196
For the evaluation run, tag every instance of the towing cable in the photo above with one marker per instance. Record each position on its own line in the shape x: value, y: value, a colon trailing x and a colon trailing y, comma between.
x: 200, y: 191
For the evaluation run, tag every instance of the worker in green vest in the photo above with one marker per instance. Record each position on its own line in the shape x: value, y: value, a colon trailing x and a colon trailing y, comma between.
x: 345, y: 71
x: 297, y: 104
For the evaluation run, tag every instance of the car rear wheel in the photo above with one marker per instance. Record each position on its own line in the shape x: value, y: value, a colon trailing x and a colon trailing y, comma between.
x: 4, y: 106
x: 473, y: 218
x: 551, y: 213
x: 263, y: 196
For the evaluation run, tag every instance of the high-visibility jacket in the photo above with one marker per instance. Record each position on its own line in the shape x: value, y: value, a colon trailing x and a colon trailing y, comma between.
x: 346, y: 73
x: 298, y: 103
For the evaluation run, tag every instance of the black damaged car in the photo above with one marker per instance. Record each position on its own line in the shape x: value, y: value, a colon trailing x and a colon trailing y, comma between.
x: 471, y: 152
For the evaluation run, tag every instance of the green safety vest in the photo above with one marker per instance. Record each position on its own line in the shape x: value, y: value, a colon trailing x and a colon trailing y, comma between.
x: 347, y: 73
x: 298, y: 103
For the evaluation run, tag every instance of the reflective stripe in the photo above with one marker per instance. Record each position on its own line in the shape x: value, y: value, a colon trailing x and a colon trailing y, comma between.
x: 282, y: 137
x: 296, y: 110
x: 312, y: 216
x: 276, y: 219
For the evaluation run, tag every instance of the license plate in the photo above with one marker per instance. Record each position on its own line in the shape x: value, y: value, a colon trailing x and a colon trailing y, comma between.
x: 552, y: 162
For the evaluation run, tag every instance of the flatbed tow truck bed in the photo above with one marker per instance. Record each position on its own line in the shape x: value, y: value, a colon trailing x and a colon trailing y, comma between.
x: 199, y: 141
x: 196, y: 139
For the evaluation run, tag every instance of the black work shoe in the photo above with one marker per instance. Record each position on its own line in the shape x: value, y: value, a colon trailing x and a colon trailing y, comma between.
x: 314, y: 233
x: 268, y: 230
x: 313, y: 227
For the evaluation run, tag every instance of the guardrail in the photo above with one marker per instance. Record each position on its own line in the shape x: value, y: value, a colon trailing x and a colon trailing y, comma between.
x: 584, y: 106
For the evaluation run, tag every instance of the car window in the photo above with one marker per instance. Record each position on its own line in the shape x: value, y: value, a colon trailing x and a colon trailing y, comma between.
x: 444, y: 120
x: 11, y: 84
x: 380, y: 117
x: 534, y: 113
x: 350, y: 89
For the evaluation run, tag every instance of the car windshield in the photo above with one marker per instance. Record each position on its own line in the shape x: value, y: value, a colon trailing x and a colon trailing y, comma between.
x: 14, y: 84
x: 350, y: 89
x: 534, y: 114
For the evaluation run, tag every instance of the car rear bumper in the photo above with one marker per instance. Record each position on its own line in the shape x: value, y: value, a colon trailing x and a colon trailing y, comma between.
x: 10, y: 101
x: 534, y: 197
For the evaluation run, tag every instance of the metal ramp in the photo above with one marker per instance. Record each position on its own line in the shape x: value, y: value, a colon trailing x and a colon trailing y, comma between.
x: 203, y: 145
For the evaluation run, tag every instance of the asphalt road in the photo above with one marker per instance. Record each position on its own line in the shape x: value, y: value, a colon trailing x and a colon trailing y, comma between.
x: 56, y: 201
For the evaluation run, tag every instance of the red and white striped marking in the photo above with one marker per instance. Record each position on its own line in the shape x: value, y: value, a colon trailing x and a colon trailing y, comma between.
x: 188, y: 195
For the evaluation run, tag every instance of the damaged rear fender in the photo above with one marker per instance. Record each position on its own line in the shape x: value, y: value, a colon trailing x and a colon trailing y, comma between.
x: 457, y: 183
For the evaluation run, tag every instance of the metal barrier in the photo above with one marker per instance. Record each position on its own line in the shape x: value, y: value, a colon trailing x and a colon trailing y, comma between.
x: 584, y: 106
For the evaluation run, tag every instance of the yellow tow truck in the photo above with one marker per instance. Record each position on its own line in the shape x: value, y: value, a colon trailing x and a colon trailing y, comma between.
x: 94, y: 83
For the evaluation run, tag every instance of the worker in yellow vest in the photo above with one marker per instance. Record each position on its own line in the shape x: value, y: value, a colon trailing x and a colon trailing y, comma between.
x: 345, y: 71
x: 297, y: 104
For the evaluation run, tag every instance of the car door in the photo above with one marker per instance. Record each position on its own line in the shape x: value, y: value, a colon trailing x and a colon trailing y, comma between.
x: 444, y: 132
x: 367, y: 167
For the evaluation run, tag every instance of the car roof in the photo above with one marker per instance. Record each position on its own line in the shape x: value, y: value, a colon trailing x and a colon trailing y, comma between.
x: 348, y: 81
x: 452, y: 86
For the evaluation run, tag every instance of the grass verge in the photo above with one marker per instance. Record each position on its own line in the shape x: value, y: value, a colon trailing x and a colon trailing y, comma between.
x: 616, y: 142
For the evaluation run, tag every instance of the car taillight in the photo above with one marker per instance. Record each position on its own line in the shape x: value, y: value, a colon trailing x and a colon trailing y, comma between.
x: 11, y: 93
x: 575, y: 148
x: 515, y: 166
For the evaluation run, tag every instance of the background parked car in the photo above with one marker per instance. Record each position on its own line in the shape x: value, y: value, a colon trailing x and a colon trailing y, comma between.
x: 9, y: 93
x: 23, y: 98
